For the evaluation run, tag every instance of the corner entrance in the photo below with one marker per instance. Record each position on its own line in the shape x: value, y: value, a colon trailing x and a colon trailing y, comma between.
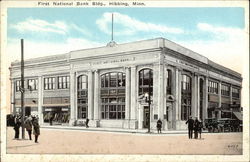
x: 145, y: 116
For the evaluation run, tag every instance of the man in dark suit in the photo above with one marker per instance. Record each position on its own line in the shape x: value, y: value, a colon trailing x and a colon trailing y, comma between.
x: 190, y: 123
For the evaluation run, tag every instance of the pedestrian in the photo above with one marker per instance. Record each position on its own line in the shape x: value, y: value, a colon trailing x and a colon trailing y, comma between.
x: 28, y: 126
x: 196, y: 128
x: 190, y: 123
x: 36, y: 129
x: 159, y: 125
x: 200, y: 128
x: 87, y: 122
x: 51, y: 119
x: 17, y: 124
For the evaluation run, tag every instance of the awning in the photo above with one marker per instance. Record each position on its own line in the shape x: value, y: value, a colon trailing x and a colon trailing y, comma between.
x: 238, y: 115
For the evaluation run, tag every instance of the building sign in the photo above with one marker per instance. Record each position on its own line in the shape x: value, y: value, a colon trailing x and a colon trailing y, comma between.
x: 113, y: 61
x: 187, y: 64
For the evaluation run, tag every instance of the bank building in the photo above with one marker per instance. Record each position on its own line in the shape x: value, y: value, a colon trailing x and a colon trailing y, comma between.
x: 111, y: 85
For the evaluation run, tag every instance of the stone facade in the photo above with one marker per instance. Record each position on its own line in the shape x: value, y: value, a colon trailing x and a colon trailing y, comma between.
x: 105, y: 85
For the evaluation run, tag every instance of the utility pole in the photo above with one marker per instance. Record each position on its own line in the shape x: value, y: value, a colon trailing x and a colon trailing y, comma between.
x: 22, y: 90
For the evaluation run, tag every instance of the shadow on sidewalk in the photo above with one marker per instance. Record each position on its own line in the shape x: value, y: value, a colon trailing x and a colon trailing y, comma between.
x: 11, y: 147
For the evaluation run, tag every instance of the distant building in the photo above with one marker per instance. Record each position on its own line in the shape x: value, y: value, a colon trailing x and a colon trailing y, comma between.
x: 107, y: 85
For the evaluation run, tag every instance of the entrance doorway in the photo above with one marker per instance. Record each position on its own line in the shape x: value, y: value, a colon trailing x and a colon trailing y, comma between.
x: 145, y: 116
x: 27, y: 111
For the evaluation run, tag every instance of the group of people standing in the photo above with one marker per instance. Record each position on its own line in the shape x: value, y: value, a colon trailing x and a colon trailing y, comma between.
x: 194, y: 125
x: 30, y: 123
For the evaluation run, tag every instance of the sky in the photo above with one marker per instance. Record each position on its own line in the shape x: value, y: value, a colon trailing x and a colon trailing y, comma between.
x: 216, y: 33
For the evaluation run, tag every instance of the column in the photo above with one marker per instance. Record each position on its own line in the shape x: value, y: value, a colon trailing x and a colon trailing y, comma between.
x: 128, y: 86
x: 179, y: 94
x: 40, y: 99
x: 72, y: 98
x: 198, y: 97
x: 12, y: 97
x: 90, y: 95
x: 194, y: 96
x: 205, y: 98
x: 161, y: 91
x: 133, y: 93
x: 219, y: 95
x: 230, y: 94
x: 96, y: 96
x: 176, y: 93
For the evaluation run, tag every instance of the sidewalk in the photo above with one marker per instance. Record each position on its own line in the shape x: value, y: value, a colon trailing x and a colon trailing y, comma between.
x: 117, y: 130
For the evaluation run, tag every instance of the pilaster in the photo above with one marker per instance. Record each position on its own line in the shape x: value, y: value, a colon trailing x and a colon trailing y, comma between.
x: 194, y: 96
x: 198, y: 97
x: 161, y: 91
x: 219, y: 95
x: 230, y: 94
x: 90, y: 95
x: 133, y: 93
x: 72, y: 98
x: 127, y: 100
x: 205, y: 98
x: 179, y: 94
x: 96, y: 96
x: 40, y: 99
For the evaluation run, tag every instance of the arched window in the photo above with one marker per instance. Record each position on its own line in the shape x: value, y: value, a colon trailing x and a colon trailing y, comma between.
x: 186, y: 96
x: 145, y: 77
x: 113, y: 95
x: 82, y: 96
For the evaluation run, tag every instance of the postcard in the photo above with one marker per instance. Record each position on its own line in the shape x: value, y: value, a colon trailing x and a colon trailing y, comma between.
x: 124, y: 80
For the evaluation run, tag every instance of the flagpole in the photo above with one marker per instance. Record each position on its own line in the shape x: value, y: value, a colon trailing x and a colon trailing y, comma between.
x: 112, y: 27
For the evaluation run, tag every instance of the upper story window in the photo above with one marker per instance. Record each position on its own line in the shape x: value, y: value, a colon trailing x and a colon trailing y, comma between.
x: 82, y: 82
x: 18, y: 85
x: 145, y: 78
x: 236, y: 92
x: 32, y: 84
x: 186, y: 83
x: 212, y: 87
x: 225, y: 90
x: 63, y: 82
x: 113, y: 79
x: 49, y: 83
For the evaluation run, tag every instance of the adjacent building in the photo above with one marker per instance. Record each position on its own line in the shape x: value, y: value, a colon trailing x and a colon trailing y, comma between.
x: 108, y: 86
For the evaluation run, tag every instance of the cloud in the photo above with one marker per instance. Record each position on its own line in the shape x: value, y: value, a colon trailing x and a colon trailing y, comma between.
x: 225, y: 33
x: 34, y: 49
x: 131, y: 25
x: 229, y: 50
x: 38, y: 25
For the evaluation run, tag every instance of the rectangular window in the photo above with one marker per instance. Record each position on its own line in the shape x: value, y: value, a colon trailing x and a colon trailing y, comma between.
x: 49, y: 83
x: 225, y: 90
x: 63, y: 82
x: 235, y: 92
x: 32, y: 84
x: 212, y: 87
x: 18, y: 85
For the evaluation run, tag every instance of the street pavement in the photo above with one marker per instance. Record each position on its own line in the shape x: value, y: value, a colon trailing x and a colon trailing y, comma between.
x: 89, y: 141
